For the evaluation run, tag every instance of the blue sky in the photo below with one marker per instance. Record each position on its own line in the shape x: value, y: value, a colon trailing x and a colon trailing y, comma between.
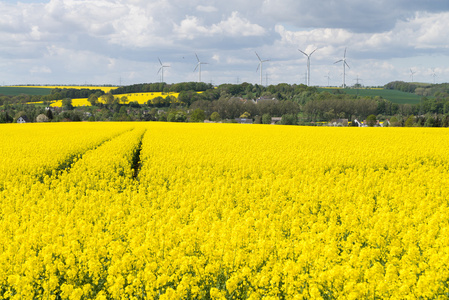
x: 120, y: 41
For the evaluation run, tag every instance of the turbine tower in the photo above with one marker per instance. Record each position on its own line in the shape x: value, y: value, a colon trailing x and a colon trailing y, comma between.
x: 412, y: 73
x: 308, y: 63
x: 433, y: 75
x: 161, y: 69
x: 198, y: 66
x: 260, y: 66
x: 344, y: 67
x: 328, y: 78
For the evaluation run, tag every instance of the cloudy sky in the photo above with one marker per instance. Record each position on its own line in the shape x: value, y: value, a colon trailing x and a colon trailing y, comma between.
x: 120, y: 41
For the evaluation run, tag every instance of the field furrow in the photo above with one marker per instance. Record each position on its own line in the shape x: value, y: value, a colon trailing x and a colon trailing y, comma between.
x: 67, y: 220
x: 45, y: 149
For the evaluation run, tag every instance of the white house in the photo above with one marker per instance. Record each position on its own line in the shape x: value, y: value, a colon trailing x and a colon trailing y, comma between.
x: 23, y: 119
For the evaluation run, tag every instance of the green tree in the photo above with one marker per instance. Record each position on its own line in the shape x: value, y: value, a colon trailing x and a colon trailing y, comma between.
x: 180, y: 116
x: 371, y: 120
x: 245, y: 115
x: 198, y: 115
x: 5, y: 117
x: 41, y: 118
x: 394, y: 122
x: 109, y: 99
x: 123, y: 111
x: 67, y: 103
x: 430, y: 122
x: 215, y: 117
x: 124, y: 100
x: 49, y: 114
x: 289, y: 119
x: 93, y: 99
x: 266, y: 118
x: 410, y: 121
x: 171, y: 117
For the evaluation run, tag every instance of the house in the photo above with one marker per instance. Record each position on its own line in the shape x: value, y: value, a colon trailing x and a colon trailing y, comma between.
x: 244, y: 120
x: 23, y: 119
x: 339, y: 122
x: 275, y: 120
x: 265, y: 98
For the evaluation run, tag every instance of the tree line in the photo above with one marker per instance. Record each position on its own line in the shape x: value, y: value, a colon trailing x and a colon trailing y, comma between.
x: 299, y: 104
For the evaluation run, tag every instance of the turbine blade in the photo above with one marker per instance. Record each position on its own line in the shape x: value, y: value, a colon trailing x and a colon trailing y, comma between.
x: 159, y: 61
x: 345, y: 53
x: 159, y: 70
x: 313, y: 52
x: 196, y: 67
x: 303, y: 52
x: 258, y: 66
x: 197, y: 58
x: 257, y: 55
x: 338, y: 61
x: 347, y: 64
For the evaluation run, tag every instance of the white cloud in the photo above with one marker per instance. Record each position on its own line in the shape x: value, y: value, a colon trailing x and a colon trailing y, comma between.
x: 190, y: 28
x: 40, y: 69
x: 216, y: 57
x: 234, y: 26
x: 207, y: 9
x: 237, y: 26
x: 35, y: 33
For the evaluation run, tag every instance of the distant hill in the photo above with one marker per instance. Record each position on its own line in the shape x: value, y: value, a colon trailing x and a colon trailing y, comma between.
x: 421, y: 89
x: 394, y: 96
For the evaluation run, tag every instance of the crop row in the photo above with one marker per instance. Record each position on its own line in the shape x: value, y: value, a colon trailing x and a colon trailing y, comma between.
x: 52, y: 230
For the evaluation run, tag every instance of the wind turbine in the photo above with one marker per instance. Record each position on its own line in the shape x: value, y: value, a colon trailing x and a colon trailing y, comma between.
x: 328, y: 78
x: 344, y: 67
x: 161, y: 69
x: 260, y: 66
x: 308, y: 63
x: 433, y: 75
x: 412, y: 73
x: 198, y: 66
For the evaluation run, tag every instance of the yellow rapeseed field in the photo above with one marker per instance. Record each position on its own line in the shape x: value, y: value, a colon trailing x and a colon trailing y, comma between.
x: 223, y: 211
x: 141, y: 98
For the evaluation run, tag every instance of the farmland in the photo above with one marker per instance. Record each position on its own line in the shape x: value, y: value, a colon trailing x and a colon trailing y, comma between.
x: 394, y: 96
x: 140, y: 98
x: 17, y: 90
x: 46, y: 89
x: 222, y: 211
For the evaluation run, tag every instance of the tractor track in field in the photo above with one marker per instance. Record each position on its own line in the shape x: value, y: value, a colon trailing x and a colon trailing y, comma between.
x: 68, y: 162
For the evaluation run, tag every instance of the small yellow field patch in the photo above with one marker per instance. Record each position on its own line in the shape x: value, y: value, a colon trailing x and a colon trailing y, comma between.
x: 140, y: 98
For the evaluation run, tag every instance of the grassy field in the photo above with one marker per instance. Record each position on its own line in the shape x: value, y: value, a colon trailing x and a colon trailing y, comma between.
x: 41, y: 90
x: 391, y: 95
x: 18, y: 90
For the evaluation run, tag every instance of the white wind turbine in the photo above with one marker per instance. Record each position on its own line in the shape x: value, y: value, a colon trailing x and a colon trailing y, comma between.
x: 412, y: 73
x: 198, y: 66
x: 344, y: 67
x: 328, y: 76
x: 308, y: 63
x: 434, y: 75
x: 161, y: 69
x: 260, y: 66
